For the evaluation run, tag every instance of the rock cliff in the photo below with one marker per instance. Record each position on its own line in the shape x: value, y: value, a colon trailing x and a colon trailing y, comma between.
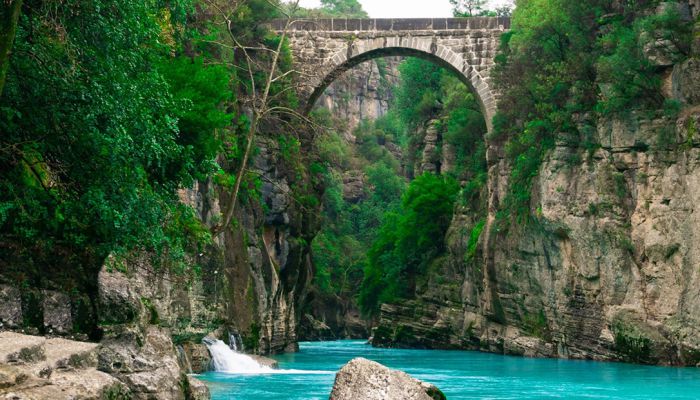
x: 149, y: 317
x: 363, y: 92
x: 608, y: 268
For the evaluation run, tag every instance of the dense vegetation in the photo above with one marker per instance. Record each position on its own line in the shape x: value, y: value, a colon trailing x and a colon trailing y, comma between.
x: 377, y: 247
x: 109, y: 107
x: 565, y: 63
x: 333, y: 9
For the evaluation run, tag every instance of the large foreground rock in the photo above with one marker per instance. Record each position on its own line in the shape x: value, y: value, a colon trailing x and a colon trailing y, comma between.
x: 39, y: 368
x: 362, y: 379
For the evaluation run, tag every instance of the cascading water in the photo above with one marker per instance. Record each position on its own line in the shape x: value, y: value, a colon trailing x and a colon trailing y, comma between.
x: 236, y: 341
x: 224, y: 359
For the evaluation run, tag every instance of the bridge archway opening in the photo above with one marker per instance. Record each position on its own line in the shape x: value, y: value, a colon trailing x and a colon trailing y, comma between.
x: 449, y: 61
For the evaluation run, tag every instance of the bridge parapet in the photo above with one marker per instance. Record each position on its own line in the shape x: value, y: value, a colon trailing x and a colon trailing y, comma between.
x: 394, y: 24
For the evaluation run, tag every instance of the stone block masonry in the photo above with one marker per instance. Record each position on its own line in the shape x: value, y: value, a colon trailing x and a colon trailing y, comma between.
x: 325, y: 48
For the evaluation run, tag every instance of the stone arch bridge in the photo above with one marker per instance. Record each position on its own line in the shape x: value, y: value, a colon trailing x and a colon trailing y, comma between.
x: 325, y: 48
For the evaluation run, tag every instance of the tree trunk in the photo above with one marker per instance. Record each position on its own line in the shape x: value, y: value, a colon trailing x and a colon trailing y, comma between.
x: 9, y: 14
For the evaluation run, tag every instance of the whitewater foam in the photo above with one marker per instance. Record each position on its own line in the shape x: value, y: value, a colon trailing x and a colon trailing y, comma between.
x: 228, y: 361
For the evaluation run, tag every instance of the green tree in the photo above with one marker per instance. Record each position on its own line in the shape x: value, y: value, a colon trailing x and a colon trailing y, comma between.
x: 468, y: 8
x: 332, y: 9
x: 416, y: 97
x: 104, y: 118
x: 344, y: 8
x: 407, y: 241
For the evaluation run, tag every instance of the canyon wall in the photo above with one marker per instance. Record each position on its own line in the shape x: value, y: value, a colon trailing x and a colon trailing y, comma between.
x: 607, y: 269
x: 149, y: 317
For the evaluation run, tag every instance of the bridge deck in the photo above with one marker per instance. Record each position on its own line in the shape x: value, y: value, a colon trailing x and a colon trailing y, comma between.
x: 393, y: 24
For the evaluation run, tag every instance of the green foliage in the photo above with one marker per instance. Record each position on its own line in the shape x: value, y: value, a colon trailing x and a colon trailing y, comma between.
x: 109, y: 109
x: 154, y: 318
x: 633, y: 345
x: 415, y: 97
x: 630, y: 79
x: 407, y: 241
x: 474, y: 239
x: 201, y: 91
x: 334, y: 9
x: 99, y: 164
x: 563, y: 60
x: 403, y: 237
x: 251, y: 339
x: 350, y: 226
x: 536, y: 325
x: 469, y: 8
x: 343, y: 8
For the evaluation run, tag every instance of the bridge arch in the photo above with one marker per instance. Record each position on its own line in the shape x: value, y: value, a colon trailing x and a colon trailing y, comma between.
x: 323, y: 49
x: 440, y: 55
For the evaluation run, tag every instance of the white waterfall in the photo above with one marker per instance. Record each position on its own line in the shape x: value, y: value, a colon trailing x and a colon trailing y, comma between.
x: 224, y: 359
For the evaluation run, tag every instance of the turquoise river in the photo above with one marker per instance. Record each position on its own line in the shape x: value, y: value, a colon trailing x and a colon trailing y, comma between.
x: 309, y: 374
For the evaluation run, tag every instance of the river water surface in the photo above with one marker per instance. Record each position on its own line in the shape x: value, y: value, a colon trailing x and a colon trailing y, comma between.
x: 309, y: 374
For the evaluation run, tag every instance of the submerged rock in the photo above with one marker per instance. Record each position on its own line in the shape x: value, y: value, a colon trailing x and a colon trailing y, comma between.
x: 362, y: 379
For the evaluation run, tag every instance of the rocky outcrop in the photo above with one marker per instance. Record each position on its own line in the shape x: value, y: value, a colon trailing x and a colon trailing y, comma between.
x: 354, y: 187
x: 686, y: 81
x: 431, y: 145
x: 265, y: 361
x: 34, y: 367
x: 362, y: 379
x: 606, y: 269
x: 363, y: 92
x: 268, y: 254
x: 142, y: 309
x: 331, y: 317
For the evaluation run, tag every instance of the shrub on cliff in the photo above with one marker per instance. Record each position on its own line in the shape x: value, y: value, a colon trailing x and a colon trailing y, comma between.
x: 407, y: 241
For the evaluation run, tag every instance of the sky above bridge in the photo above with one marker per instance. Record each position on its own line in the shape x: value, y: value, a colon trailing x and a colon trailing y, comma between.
x: 404, y: 8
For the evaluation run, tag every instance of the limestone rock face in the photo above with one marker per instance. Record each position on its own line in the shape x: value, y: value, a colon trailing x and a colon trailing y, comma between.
x: 362, y: 379
x: 197, y: 358
x: 267, y: 257
x: 363, y: 92
x: 608, y: 269
x: 333, y: 318
x: 144, y: 361
x: 141, y: 309
x: 38, y: 368
x: 10, y: 307
x: 686, y: 81
x: 196, y: 389
x: 354, y: 186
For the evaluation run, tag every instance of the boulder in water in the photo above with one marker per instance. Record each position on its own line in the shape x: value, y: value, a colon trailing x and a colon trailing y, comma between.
x: 362, y: 379
x: 265, y: 361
